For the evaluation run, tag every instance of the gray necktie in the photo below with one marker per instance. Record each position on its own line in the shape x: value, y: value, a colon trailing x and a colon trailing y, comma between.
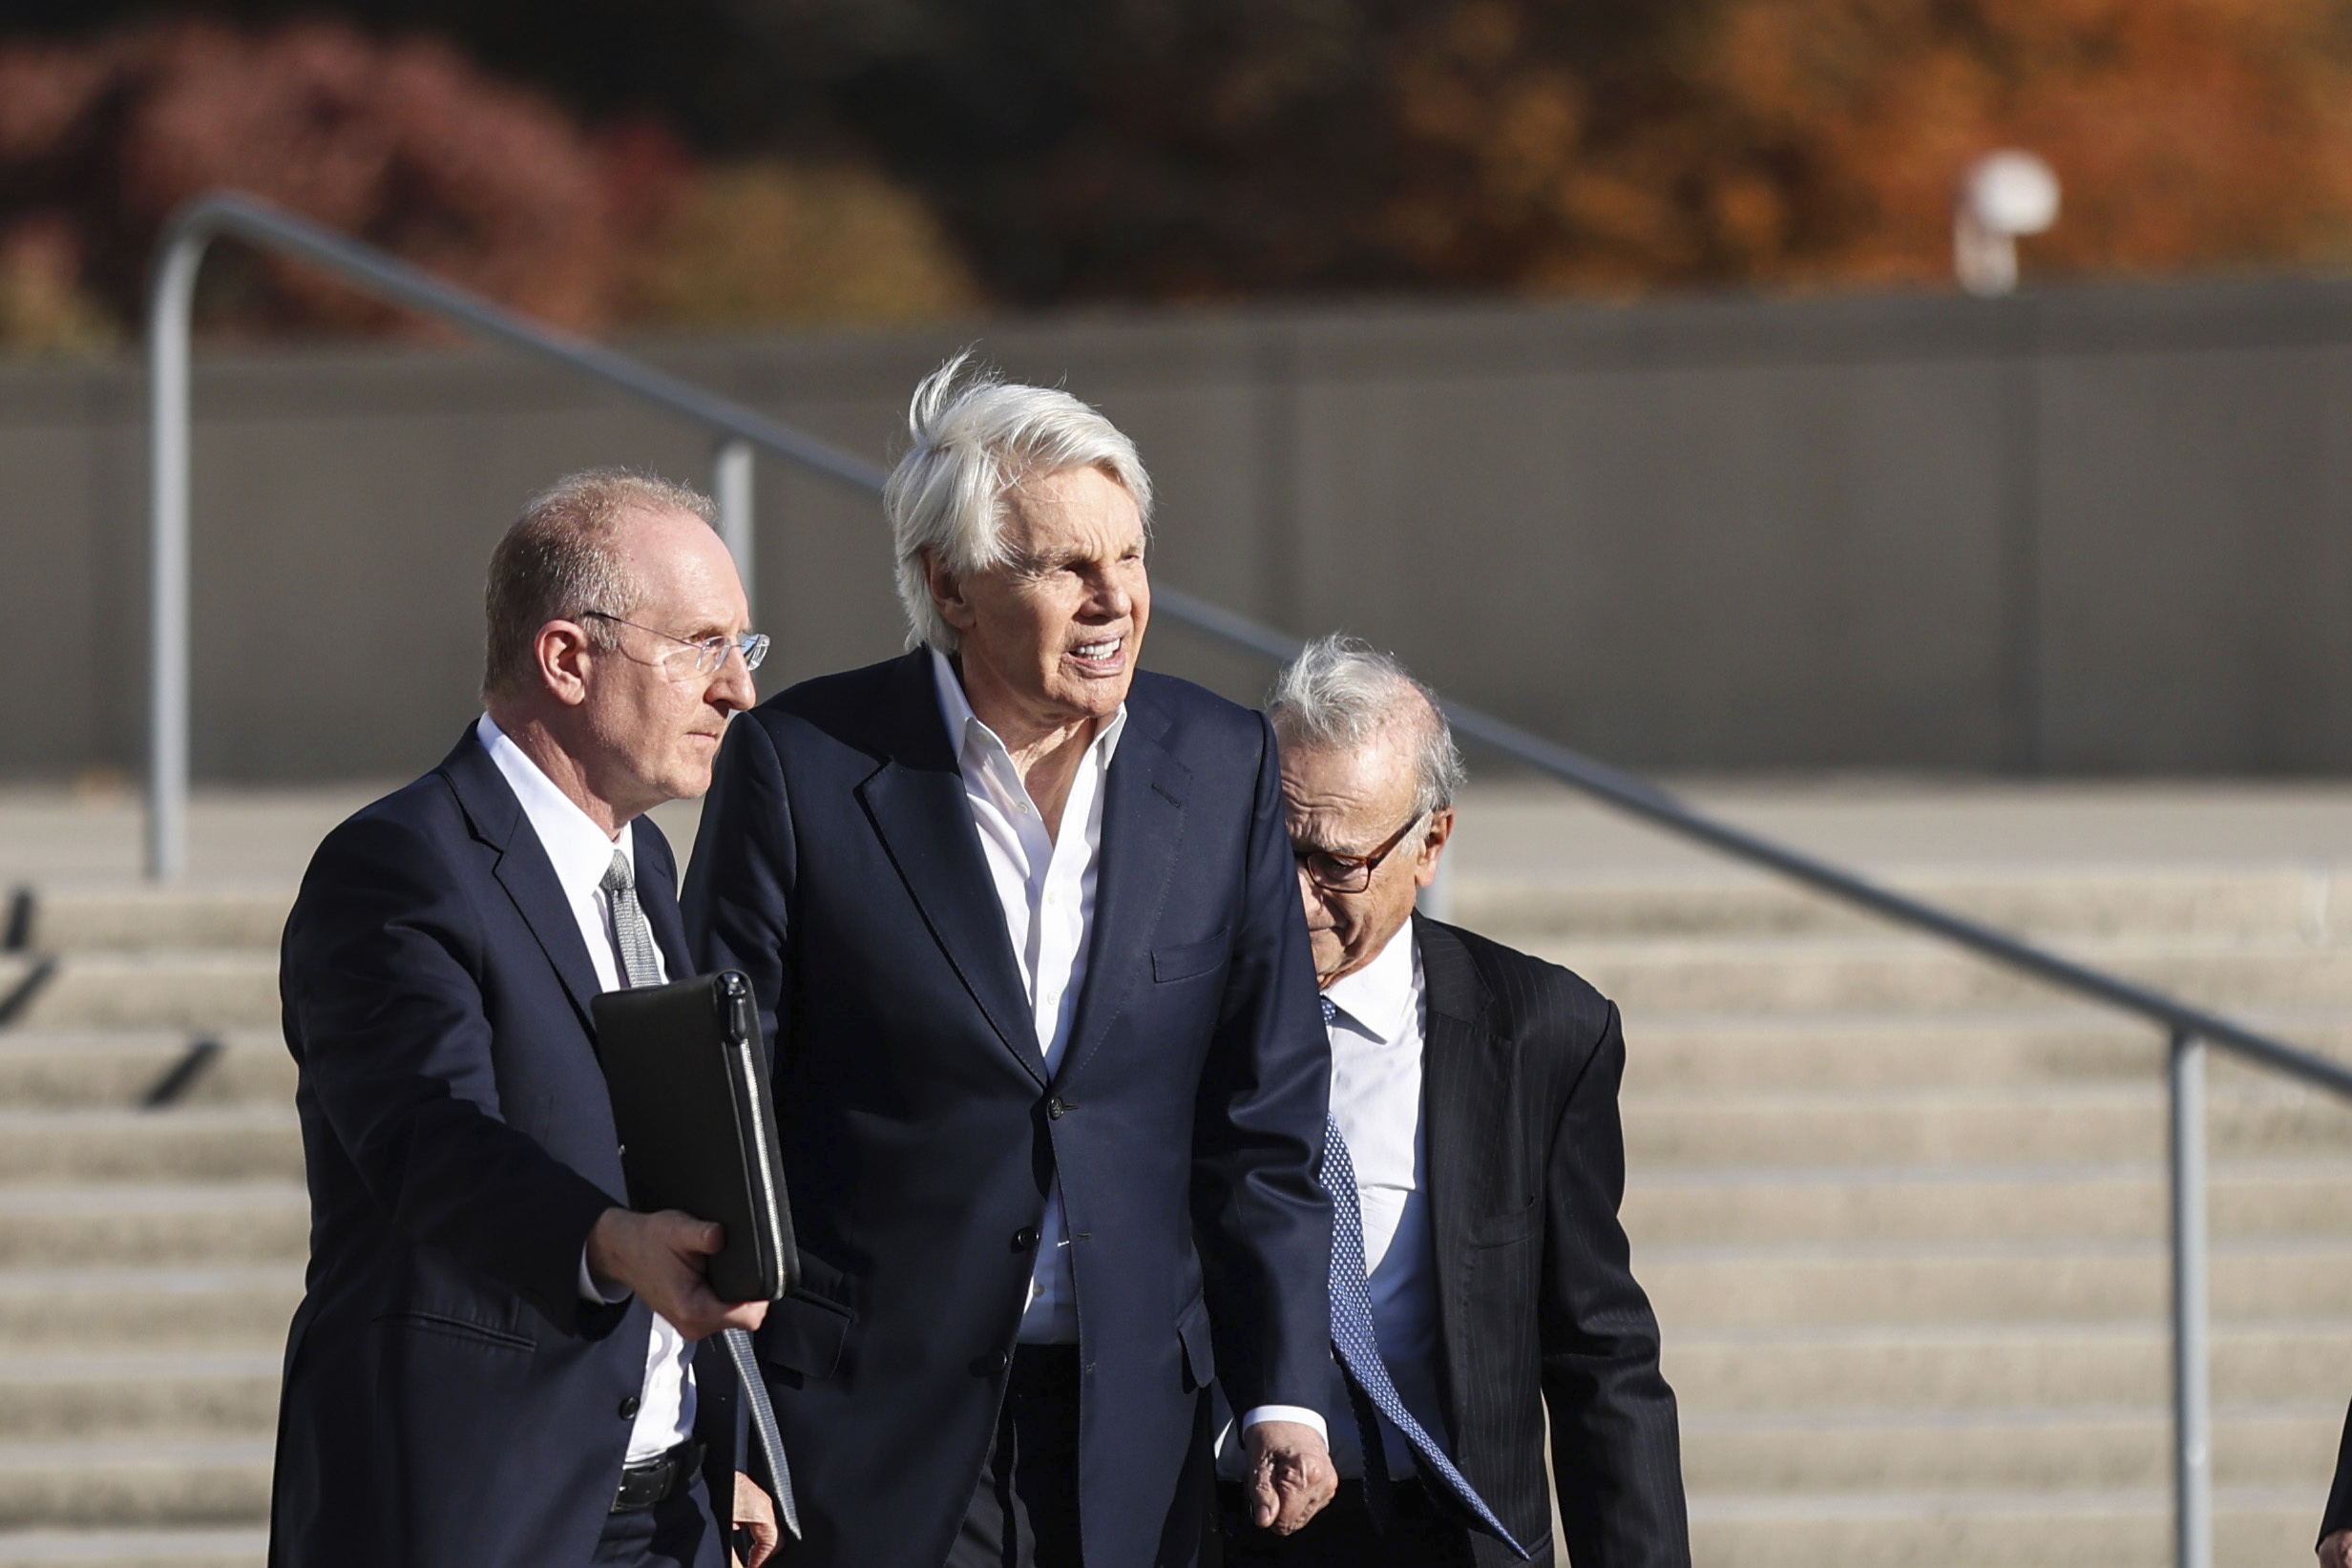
x: 632, y: 938
x: 639, y: 965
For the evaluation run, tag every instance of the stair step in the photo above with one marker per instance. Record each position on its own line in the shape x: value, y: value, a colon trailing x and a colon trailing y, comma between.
x: 1987, y: 1282
x: 1987, y: 1365
x: 65, y: 1485
x: 2066, y: 1043
x: 2265, y: 1526
x: 2021, y: 1450
x: 245, y: 1307
x: 75, y: 1392
x: 226, y: 1223
x: 183, y: 1143
x: 2303, y: 904
x: 1773, y: 1205
x: 1896, y: 974
x: 162, y: 990
x: 138, y: 919
x: 87, y: 1067
x: 230, y: 1548
x: 1969, y: 1126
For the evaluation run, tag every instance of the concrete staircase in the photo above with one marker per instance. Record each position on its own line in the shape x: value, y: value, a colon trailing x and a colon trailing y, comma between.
x: 149, y: 1256
x: 1903, y: 1216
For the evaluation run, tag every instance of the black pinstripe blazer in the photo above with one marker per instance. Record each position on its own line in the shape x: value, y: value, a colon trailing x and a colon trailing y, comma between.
x: 1537, y: 1300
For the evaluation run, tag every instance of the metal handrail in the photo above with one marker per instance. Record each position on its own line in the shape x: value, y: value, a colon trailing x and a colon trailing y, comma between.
x: 248, y: 218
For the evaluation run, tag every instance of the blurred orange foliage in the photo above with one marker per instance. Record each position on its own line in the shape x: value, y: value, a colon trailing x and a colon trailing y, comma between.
x: 404, y: 143
x: 1815, y: 142
x: 1051, y: 152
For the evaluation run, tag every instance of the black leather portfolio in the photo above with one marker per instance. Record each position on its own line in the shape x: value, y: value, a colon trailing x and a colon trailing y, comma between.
x: 687, y: 1072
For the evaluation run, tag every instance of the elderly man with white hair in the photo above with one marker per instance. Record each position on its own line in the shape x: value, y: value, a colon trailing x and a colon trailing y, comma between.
x: 1476, y: 1163
x: 1049, y: 1067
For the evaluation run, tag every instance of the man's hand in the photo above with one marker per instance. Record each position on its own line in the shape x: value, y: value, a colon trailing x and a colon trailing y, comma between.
x: 2335, y: 1552
x: 662, y: 1258
x: 1290, y: 1474
x: 753, y: 1512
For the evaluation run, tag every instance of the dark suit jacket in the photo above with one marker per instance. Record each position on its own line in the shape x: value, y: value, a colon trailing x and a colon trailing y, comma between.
x: 1527, y: 1169
x: 2338, y: 1513
x: 839, y: 868
x: 449, y: 1397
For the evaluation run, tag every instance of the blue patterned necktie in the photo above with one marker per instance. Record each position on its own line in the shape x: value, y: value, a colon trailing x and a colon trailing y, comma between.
x: 1369, y: 1389
x: 633, y: 940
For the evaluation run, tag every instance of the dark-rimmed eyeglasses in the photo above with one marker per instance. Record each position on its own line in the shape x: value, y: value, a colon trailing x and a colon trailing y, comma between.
x: 1339, y: 873
x: 706, y: 653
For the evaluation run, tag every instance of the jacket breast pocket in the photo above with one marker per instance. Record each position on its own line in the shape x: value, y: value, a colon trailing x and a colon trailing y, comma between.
x: 1187, y: 960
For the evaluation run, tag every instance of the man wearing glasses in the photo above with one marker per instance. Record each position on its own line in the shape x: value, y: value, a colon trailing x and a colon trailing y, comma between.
x: 495, y: 1361
x: 1474, y: 1160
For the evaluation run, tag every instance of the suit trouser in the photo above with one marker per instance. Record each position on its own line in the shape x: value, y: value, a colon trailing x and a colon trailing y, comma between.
x: 1342, y: 1535
x: 681, y: 1532
x: 1024, y: 1512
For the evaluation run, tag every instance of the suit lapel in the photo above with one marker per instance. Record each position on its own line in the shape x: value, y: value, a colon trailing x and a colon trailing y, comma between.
x: 916, y: 800
x: 1465, y: 1101
x: 522, y: 868
x: 1143, y: 827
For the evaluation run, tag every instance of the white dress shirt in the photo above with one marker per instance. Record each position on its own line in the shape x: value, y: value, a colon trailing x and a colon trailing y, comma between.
x: 581, y: 854
x: 1045, y: 886
x: 1376, y: 1041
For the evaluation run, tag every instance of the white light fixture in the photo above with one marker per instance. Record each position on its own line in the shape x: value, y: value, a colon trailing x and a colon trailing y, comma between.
x: 2003, y: 195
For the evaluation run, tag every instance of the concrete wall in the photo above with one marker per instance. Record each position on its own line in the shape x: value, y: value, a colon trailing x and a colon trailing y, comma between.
x: 2096, y: 531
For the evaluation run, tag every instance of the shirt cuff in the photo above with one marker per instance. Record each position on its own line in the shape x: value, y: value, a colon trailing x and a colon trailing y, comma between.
x: 1299, y: 1414
x: 589, y: 1290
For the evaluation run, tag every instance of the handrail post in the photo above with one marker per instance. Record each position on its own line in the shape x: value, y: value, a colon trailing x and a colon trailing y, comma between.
x: 2193, y: 1450
x: 730, y: 485
x: 168, y: 310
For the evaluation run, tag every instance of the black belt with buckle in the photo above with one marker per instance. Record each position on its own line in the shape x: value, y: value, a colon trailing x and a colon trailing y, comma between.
x: 650, y: 1482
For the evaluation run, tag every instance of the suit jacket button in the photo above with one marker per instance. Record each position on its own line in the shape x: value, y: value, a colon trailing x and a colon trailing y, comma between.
x: 1026, y: 1238
x: 989, y: 1364
x: 628, y: 1409
x: 1058, y: 1107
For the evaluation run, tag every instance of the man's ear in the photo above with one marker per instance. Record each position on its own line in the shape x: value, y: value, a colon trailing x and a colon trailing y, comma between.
x: 1433, y: 847
x: 563, y: 654
x: 947, y: 592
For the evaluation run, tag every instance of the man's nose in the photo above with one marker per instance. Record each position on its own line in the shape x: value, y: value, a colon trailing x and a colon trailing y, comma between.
x: 732, y: 686
x: 1112, y: 597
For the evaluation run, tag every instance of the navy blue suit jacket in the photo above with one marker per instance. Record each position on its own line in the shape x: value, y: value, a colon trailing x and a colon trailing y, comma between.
x: 839, y: 868
x: 449, y: 1396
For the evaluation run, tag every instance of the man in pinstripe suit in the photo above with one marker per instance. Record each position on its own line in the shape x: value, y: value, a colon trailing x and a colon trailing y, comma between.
x: 1476, y: 1091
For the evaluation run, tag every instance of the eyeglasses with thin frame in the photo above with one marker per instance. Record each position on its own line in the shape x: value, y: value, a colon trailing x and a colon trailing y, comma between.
x: 1339, y: 873
x: 710, y: 653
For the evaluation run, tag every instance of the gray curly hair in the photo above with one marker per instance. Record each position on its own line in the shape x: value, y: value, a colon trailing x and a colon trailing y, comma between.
x: 1341, y: 692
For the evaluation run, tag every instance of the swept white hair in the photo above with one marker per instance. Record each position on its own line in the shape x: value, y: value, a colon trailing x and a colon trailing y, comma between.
x: 1341, y: 693
x: 976, y: 436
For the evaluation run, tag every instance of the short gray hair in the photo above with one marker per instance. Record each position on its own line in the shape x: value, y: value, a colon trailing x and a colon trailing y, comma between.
x: 1341, y: 693
x: 974, y: 437
x: 561, y: 559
